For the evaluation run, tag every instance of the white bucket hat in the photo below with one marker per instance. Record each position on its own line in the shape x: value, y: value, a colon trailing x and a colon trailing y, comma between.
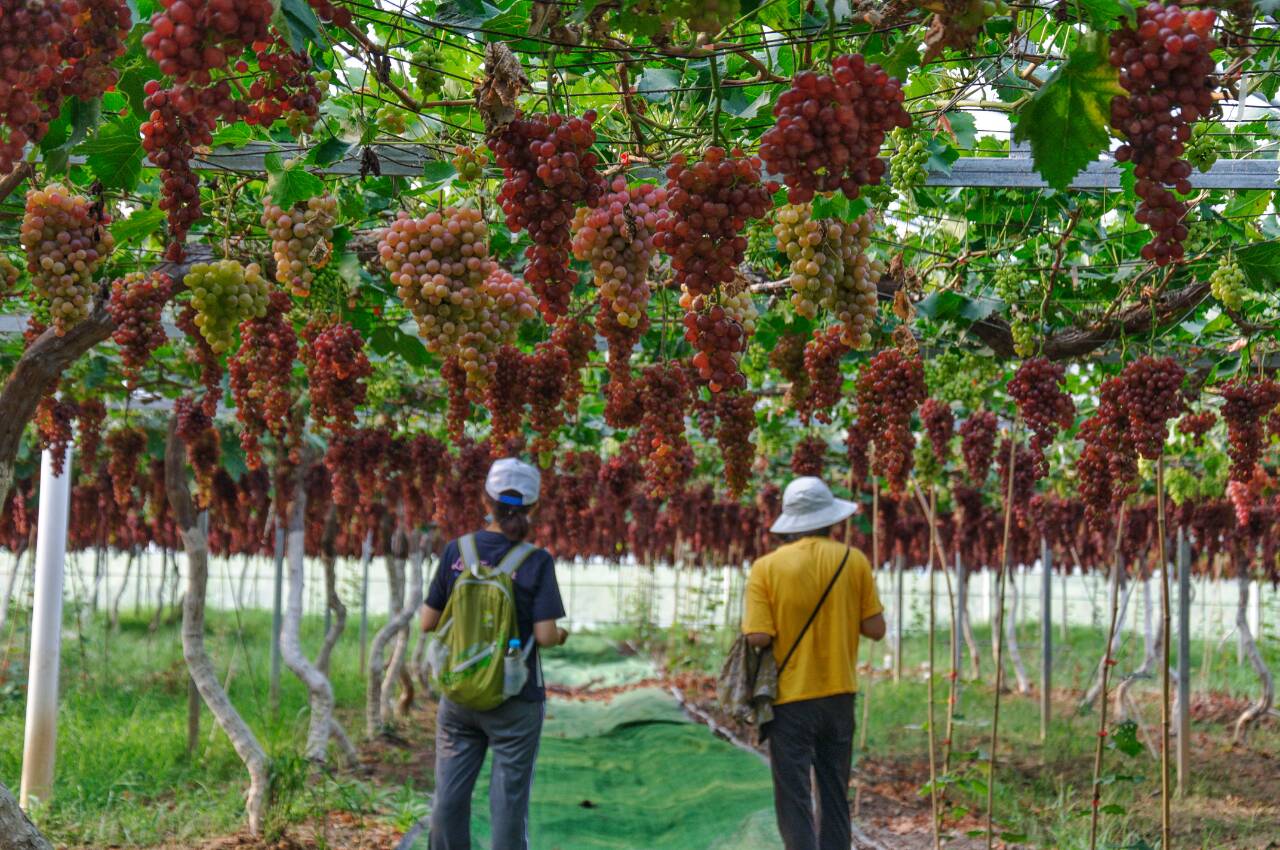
x: 511, y: 474
x: 807, y: 505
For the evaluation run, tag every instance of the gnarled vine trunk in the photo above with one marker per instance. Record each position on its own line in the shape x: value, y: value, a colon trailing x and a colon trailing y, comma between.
x: 195, y: 542
x: 329, y: 558
x: 1120, y: 606
x: 16, y: 831
x: 418, y: 545
x: 395, y: 578
x: 1268, y: 696
x: 319, y: 689
x: 1011, y: 638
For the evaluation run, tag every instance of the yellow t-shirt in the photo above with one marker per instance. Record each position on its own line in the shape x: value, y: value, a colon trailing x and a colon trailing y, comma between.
x: 783, y: 589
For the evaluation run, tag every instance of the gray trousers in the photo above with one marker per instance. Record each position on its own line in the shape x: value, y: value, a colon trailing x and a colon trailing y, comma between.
x: 813, y: 737
x: 512, y: 731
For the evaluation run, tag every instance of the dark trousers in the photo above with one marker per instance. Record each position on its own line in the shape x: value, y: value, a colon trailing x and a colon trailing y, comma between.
x: 813, y: 737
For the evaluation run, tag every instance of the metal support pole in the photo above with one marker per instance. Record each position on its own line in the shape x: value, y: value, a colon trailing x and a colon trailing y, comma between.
x: 365, y: 557
x: 899, y: 614
x: 1046, y: 637
x: 277, y: 616
x: 40, y: 744
x: 1183, y: 720
x: 962, y: 611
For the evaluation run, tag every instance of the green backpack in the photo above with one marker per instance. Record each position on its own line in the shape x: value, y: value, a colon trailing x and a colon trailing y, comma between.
x: 478, y: 623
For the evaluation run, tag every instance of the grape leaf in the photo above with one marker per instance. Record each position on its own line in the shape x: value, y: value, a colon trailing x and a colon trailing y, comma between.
x: 1124, y: 737
x: 299, y: 24
x: 115, y: 154
x: 137, y: 227
x: 1104, y: 14
x: 288, y: 183
x: 1066, y: 121
x: 655, y: 84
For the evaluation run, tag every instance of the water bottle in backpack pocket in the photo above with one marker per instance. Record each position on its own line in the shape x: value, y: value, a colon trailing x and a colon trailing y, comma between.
x: 515, y: 670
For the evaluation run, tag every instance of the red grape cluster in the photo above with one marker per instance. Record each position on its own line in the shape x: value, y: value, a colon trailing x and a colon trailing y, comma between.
x: 977, y: 443
x: 616, y: 238
x: 261, y: 372
x: 856, y: 445
x: 1166, y: 66
x: 466, y: 307
x: 459, y: 510
x: 1024, y: 475
x: 1108, y: 464
x: 1196, y: 425
x: 137, y: 300
x: 91, y: 415
x: 331, y: 13
x: 180, y: 119
x: 718, y: 326
x: 829, y: 129
x: 285, y: 87
x: 506, y: 393
x: 189, y: 40
x: 1036, y: 388
x: 578, y: 339
x: 664, y: 450
x: 889, y: 389
x: 53, y: 420
x: 822, y: 356
x: 301, y: 240
x: 736, y: 421
x: 809, y: 455
x: 427, y: 457
x: 549, y: 169
x: 547, y: 376
x: 337, y: 368
x: 124, y: 446
x: 787, y: 357
x: 203, y: 444
x: 66, y: 241
x: 710, y: 202
x: 1152, y: 396
x: 203, y: 355
x: 459, y: 403
x: 47, y: 52
x: 939, y: 425
x: 620, y: 394
x: 1247, y: 403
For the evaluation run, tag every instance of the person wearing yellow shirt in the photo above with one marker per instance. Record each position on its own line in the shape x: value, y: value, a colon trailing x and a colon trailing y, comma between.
x: 810, y: 600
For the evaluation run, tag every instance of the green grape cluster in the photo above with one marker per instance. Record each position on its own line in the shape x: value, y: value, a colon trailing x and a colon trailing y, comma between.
x: 1007, y: 283
x: 1025, y: 338
x: 963, y: 376
x: 392, y: 120
x: 762, y: 248
x: 224, y: 294
x: 329, y: 292
x: 1200, y: 150
x: 469, y: 163
x: 907, y: 163
x: 9, y: 274
x: 1227, y: 284
x: 830, y: 268
x: 427, y: 63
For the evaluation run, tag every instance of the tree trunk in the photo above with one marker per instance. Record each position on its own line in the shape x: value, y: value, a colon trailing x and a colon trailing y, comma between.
x: 1151, y: 655
x: 9, y: 587
x: 196, y: 544
x: 966, y: 623
x: 338, y: 624
x: 419, y: 543
x: 1263, y: 705
x: 16, y: 831
x: 124, y: 585
x: 1011, y: 638
x: 1112, y: 591
x: 395, y: 578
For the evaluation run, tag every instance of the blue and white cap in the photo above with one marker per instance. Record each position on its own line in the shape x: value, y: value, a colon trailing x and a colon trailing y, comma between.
x: 510, y: 474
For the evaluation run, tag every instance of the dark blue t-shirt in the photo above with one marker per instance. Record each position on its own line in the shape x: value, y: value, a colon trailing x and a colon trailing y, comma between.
x: 537, y: 593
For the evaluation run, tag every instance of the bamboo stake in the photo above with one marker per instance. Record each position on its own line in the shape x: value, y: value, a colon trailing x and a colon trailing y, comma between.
x: 933, y: 759
x: 954, y: 674
x: 865, y: 687
x: 1107, y: 661
x: 1164, y: 685
x: 996, y: 634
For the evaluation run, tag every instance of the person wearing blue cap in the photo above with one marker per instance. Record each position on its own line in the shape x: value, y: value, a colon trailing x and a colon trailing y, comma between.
x: 479, y: 577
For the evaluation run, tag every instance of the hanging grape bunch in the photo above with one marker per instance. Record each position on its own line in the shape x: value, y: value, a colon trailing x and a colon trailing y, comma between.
x: 939, y: 424
x: 788, y: 357
x: 547, y: 377
x: 427, y: 63
x: 1247, y: 402
x: 549, y: 169
x: 710, y: 202
x: 977, y: 443
x: 958, y: 23
x: 735, y: 422
x: 1166, y: 66
x: 465, y: 306
x: 337, y: 369
x: 809, y: 455
x: 1036, y: 388
x: 1152, y: 397
x: 301, y: 240
x: 261, y: 373
x: 889, y: 388
x: 665, y: 452
x: 469, y: 163
x: 718, y: 327
x: 124, y: 446
x: 907, y: 164
x: 188, y: 40
x: 66, y: 242
x: 10, y: 274
x: 616, y: 238
x: 179, y: 120
x: 284, y: 87
x: 1227, y: 283
x: 506, y: 393
x: 1196, y: 425
x: 830, y: 268
x: 91, y: 415
x: 53, y: 419
x: 224, y: 294
x: 203, y: 445
x: 1201, y: 150
x: 137, y: 300
x: 829, y: 129
x: 822, y: 356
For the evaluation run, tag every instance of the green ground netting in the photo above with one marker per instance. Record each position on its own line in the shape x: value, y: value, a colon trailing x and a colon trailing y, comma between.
x: 594, y: 661
x: 634, y: 774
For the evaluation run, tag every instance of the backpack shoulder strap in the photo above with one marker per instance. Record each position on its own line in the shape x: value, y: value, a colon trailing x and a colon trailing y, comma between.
x: 470, y: 555
x: 516, y: 556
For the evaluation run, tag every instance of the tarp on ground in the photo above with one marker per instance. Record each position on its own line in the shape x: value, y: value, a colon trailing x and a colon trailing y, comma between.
x: 593, y: 662
x: 632, y: 773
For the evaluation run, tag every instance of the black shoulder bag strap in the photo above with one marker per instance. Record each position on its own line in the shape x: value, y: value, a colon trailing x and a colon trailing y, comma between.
x: 816, y: 609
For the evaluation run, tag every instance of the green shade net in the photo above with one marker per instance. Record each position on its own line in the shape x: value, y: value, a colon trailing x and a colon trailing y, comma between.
x: 633, y: 773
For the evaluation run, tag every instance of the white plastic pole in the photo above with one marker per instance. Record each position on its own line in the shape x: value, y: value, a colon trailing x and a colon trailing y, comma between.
x: 46, y: 633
